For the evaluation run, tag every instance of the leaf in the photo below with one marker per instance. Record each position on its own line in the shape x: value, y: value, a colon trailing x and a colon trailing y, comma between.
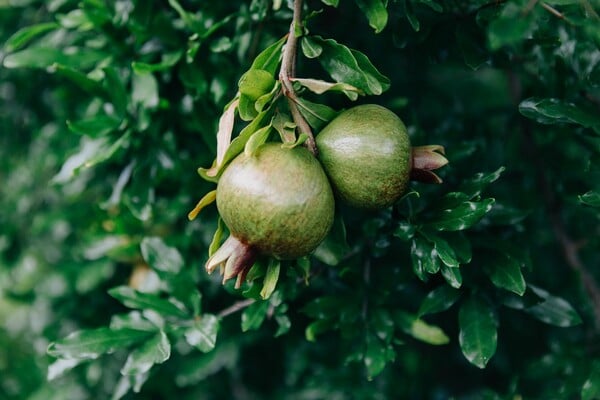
x: 349, y: 66
x: 555, y: 111
x: 319, y: 87
x: 92, y: 343
x: 216, y: 240
x: 452, y: 276
x: 505, y: 272
x: 271, y: 277
x: 95, y: 126
x: 461, y: 217
x: 203, y: 333
x: 442, y: 248
x: 206, y: 200
x: 420, y: 330
x: 270, y: 57
x: 334, y: 247
x: 23, y: 36
x: 478, y: 335
x: 257, y: 139
x: 553, y: 310
x: 510, y: 28
x: 424, y: 257
x: 317, y: 115
x: 44, y: 57
x: 377, y: 355
x: 168, y: 60
x: 439, y: 299
x: 473, y: 53
x: 405, y: 230
x: 375, y: 12
x: 474, y: 186
x: 160, y: 256
x: 591, y: 387
x: 283, y: 325
x: 591, y: 198
x: 256, y: 83
x: 61, y: 366
x: 333, y: 3
x: 155, y: 350
x: 461, y: 246
x: 133, y: 299
x: 409, y: 13
x: 144, y: 90
x: 254, y: 315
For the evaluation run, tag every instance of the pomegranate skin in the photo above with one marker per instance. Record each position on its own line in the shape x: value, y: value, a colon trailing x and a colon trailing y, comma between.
x: 366, y: 153
x: 276, y: 200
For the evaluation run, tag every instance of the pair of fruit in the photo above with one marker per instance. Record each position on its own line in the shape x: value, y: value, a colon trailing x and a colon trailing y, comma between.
x: 279, y: 201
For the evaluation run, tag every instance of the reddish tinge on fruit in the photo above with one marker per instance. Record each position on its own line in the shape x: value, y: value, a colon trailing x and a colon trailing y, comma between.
x: 367, y: 155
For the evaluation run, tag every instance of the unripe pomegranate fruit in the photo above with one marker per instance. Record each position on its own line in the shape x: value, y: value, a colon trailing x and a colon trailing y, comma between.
x: 276, y: 202
x: 368, y: 157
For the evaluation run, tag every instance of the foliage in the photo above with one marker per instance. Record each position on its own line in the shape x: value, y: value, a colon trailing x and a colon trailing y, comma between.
x: 482, y: 287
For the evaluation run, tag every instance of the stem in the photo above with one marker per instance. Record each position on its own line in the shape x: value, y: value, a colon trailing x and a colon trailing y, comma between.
x: 287, y: 72
x: 235, y: 307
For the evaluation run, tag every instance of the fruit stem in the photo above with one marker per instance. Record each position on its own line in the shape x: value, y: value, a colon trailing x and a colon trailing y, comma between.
x: 425, y: 159
x: 288, y: 71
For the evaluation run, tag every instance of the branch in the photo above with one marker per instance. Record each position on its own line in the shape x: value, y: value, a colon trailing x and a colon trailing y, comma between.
x: 288, y: 69
x: 235, y: 307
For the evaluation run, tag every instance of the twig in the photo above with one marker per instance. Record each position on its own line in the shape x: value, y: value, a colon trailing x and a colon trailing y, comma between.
x: 288, y: 68
x: 235, y: 307
x: 555, y: 12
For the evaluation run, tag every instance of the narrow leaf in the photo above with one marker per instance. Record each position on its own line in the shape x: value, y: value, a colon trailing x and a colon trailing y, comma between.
x: 271, y: 278
x: 257, y: 139
x: 462, y: 217
x: 591, y: 198
x: 319, y: 87
x: 23, y: 36
x: 439, y: 299
x: 254, y: 315
x: 478, y: 335
x: 553, y: 310
x: 160, y: 256
x: 206, y: 200
x: 317, y: 115
x: 420, y: 330
x: 133, y: 299
x: 90, y: 344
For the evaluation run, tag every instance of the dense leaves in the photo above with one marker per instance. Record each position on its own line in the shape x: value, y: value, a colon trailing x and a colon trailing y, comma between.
x: 485, y: 286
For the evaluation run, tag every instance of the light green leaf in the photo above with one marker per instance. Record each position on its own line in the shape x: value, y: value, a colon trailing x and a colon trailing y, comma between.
x: 254, y: 315
x: 317, y: 115
x: 255, y: 83
x: 95, y: 126
x: 271, y: 277
x: 216, y: 240
x: 553, y: 310
x: 319, y: 87
x: 257, y: 139
x: 478, y: 334
x: 203, y: 333
x: 420, y: 330
x: 23, y: 36
x: 44, y: 57
x: 133, y: 299
x: 349, y: 66
x: 591, y: 387
x: 144, y: 90
x: 92, y: 343
x: 168, y: 60
x: 160, y: 256
x: 270, y: 57
x: 505, y: 272
x: 439, y: 299
x: 155, y: 350
x: 376, y: 13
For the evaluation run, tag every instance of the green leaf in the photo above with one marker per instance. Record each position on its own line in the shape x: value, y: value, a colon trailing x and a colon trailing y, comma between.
x: 271, y: 278
x: 478, y: 335
x: 349, y: 66
x: 553, y: 310
x: 333, y: 3
x: 420, y: 330
x: 505, y: 272
x: 160, y: 256
x: 44, y: 57
x: 452, y: 276
x: 442, y: 249
x: 473, y: 54
x: 317, y: 115
x: 405, y: 230
x: 410, y: 15
x: 591, y: 198
x: 144, y: 90
x: 474, y: 186
x: 217, y: 237
x: 203, y: 333
x: 461, y: 217
x: 270, y: 57
x: 257, y: 139
x: 334, y: 247
x: 512, y: 27
x: 283, y: 325
x: 461, y: 246
x: 591, y: 387
x: 377, y: 355
x: 168, y: 60
x: 23, y: 36
x: 319, y: 87
x: 376, y: 13
x: 133, y: 299
x: 155, y: 350
x: 92, y: 343
x: 94, y: 127
x: 439, y: 299
x: 324, y: 307
x: 254, y: 315
x: 555, y: 111
x: 255, y: 83
x: 424, y: 257
x: 113, y: 85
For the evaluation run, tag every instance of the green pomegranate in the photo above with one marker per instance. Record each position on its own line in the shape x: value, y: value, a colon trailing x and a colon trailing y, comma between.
x: 366, y: 153
x: 277, y: 202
